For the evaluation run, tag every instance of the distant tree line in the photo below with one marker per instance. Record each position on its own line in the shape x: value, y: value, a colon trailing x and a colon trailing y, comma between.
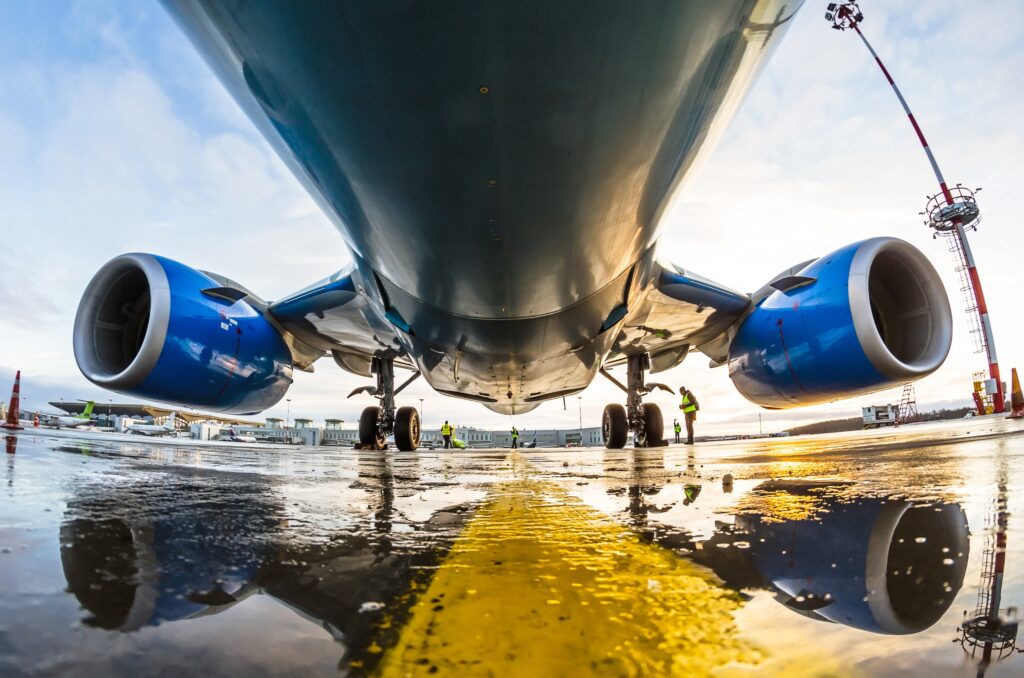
x: 857, y: 423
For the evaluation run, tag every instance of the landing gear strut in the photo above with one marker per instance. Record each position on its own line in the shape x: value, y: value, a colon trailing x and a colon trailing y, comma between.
x: 376, y: 423
x: 643, y: 419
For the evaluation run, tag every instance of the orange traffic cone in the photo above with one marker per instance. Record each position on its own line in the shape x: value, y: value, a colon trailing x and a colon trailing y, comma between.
x: 1016, y: 399
x: 12, y: 423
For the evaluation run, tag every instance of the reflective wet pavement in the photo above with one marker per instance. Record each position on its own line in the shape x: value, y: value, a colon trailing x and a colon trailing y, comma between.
x: 839, y: 555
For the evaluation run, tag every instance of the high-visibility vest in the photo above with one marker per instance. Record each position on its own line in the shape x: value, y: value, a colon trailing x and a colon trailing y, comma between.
x: 515, y: 433
x: 446, y: 430
x: 688, y: 406
x: 678, y: 427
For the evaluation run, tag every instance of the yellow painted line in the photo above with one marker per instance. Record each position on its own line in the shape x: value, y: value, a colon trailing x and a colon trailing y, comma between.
x: 541, y: 584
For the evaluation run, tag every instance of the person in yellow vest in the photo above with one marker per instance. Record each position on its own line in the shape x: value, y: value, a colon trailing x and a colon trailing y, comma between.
x: 446, y: 433
x: 689, y: 406
x: 677, y: 428
x: 515, y: 438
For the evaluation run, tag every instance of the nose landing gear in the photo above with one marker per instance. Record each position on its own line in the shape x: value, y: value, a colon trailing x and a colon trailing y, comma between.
x: 376, y: 423
x: 643, y: 419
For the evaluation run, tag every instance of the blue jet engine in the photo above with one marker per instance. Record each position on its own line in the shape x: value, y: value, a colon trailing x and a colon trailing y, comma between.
x: 153, y: 328
x: 863, y: 318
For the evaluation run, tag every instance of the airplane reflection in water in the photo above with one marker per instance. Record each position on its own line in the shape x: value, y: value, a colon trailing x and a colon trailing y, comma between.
x: 882, y: 565
x: 878, y: 564
x: 132, y: 560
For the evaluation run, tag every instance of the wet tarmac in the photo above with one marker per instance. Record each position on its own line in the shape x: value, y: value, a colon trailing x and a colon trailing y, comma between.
x: 861, y: 554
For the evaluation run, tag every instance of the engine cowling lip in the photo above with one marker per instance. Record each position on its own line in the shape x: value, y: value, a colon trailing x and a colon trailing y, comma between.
x: 156, y: 328
x: 860, y: 306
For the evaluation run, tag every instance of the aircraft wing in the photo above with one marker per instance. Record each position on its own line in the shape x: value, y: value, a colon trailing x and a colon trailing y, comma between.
x: 334, y: 316
x: 683, y: 311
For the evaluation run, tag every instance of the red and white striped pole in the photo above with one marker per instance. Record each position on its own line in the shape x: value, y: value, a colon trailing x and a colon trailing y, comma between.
x: 848, y: 15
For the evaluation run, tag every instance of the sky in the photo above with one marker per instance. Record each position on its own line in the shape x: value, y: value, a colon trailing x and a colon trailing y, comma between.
x: 115, y: 137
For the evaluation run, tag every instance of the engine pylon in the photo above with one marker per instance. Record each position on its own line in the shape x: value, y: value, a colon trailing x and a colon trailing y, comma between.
x: 12, y: 422
x: 1016, y: 398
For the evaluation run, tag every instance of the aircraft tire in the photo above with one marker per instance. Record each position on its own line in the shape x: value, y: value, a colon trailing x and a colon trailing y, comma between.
x: 407, y: 429
x: 654, y: 426
x: 368, y: 438
x: 614, y: 426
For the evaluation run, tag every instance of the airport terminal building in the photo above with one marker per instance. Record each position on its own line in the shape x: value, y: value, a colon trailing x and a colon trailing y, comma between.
x: 303, y: 431
x: 484, y: 438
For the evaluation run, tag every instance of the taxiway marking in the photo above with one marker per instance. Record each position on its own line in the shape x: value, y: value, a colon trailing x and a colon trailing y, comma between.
x: 541, y: 584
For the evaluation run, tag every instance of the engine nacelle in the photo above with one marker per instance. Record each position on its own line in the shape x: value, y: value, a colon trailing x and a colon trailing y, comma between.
x: 863, y: 318
x: 145, y: 328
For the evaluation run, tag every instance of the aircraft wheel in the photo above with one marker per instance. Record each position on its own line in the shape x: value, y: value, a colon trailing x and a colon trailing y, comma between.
x: 407, y: 429
x: 614, y: 426
x: 368, y: 436
x: 654, y: 427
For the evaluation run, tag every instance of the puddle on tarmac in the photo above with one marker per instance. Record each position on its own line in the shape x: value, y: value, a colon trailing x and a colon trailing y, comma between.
x: 822, y: 557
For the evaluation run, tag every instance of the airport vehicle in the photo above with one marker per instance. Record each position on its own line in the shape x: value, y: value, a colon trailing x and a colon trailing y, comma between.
x: 236, y: 437
x: 72, y: 421
x: 166, y: 428
x: 542, y: 144
x: 877, y: 416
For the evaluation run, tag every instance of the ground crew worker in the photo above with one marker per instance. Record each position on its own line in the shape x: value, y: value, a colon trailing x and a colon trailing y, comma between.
x: 677, y: 428
x: 446, y: 433
x: 515, y: 438
x: 690, y: 494
x: 689, y: 406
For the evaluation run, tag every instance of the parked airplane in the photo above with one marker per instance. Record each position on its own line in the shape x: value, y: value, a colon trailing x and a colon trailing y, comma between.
x: 236, y: 437
x: 72, y: 421
x: 154, y: 429
x: 500, y: 172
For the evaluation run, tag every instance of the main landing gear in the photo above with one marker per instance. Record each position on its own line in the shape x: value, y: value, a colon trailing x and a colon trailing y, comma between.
x: 376, y: 423
x: 643, y: 419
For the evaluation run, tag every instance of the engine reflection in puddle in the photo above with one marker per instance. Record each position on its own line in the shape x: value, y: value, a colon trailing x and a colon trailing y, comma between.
x: 145, y: 553
x: 151, y: 552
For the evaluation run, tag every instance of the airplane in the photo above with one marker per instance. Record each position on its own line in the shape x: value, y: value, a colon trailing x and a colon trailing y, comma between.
x: 154, y: 429
x: 236, y: 437
x: 500, y: 174
x: 72, y: 421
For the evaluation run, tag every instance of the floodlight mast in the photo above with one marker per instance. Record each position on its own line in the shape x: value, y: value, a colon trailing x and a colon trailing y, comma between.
x: 958, y: 214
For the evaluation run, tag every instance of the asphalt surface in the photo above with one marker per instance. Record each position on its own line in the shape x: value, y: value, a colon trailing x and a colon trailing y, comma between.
x: 857, y: 554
